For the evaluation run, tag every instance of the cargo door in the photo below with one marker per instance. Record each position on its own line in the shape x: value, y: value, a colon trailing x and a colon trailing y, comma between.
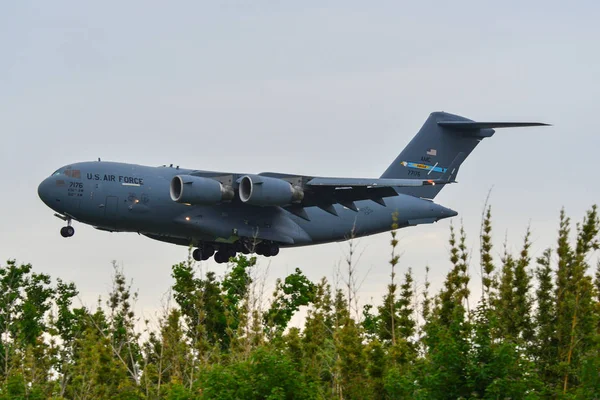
x: 111, y: 207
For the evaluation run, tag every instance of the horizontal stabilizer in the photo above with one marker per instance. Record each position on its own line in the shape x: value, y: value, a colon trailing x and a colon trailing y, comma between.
x: 486, y: 125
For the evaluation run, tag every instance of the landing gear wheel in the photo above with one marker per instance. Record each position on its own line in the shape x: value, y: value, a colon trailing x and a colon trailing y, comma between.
x: 245, y: 247
x: 274, y: 250
x: 207, y: 252
x: 220, y: 257
x: 208, y: 249
x: 67, y: 231
x: 262, y: 249
x: 238, y: 246
x: 197, y: 255
x: 230, y: 253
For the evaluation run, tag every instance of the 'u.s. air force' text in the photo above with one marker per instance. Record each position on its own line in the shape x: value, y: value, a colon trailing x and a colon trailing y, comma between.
x: 115, y: 178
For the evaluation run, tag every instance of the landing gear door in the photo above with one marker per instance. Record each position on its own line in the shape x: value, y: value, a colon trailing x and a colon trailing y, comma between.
x: 110, y: 207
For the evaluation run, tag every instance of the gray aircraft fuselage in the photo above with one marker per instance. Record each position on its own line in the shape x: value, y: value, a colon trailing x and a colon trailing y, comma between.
x: 121, y: 197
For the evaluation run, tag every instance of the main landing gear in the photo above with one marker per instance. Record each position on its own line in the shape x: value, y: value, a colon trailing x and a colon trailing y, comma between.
x: 267, y: 249
x: 224, y: 252
x: 204, y: 252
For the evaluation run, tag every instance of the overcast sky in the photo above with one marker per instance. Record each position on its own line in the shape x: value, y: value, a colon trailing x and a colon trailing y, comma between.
x: 330, y: 88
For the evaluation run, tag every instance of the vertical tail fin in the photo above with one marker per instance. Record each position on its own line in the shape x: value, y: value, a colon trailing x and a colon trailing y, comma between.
x: 439, y: 148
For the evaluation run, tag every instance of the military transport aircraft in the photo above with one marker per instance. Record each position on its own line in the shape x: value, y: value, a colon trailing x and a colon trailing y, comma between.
x: 223, y: 213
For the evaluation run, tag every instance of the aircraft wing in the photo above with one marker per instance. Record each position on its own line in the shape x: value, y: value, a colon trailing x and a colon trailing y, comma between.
x: 324, y: 192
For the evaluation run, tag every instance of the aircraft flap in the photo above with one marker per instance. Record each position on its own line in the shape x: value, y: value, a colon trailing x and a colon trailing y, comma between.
x: 373, y: 183
x: 326, y: 191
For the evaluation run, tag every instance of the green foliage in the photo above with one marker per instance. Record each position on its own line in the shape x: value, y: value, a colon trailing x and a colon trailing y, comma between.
x: 452, y: 298
x: 545, y: 347
x: 534, y: 333
x: 445, y: 370
x: 351, y: 363
x: 513, y: 301
x: 487, y: 263
x: 295, y: 291
x: 402, y: 321
x: 268, y: 374
x: 318, y: 350
x: 576, y: 321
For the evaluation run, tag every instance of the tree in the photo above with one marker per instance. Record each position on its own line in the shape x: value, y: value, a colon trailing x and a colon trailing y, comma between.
x: 513, y: 302
x: 406, y: 321
x: 577, y: 325
x: 317, y: 341
x: 545, y: 347
x: 121, y: 321
x: 535, y: 332
x: 295, y: 291
x: 454, y: 295
x: 488, y: 282
x: 522, y: 297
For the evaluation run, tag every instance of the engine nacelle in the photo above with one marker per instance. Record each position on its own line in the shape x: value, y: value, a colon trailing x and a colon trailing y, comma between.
x: 198, y: 190
x: 265, y: 191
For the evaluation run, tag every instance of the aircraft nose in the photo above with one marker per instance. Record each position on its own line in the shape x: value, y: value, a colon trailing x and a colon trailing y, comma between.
x: 44, y: 190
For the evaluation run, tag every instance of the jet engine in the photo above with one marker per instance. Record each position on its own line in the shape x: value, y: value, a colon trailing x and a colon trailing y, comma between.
x: 265, y: 191
x: 198, y: 190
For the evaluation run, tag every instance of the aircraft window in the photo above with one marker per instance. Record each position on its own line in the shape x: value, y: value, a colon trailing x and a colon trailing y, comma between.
x: 73, y: 173
x: 57, y: 172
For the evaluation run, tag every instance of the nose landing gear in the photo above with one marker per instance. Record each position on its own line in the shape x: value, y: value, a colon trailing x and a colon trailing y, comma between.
x: 67, y: 231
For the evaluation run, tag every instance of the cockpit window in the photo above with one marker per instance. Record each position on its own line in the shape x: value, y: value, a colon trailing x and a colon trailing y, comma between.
x: 73, y: 173
x: 68, y: 171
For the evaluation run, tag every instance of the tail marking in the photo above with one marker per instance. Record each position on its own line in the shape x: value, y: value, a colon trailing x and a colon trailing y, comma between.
x: 425, y: 167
